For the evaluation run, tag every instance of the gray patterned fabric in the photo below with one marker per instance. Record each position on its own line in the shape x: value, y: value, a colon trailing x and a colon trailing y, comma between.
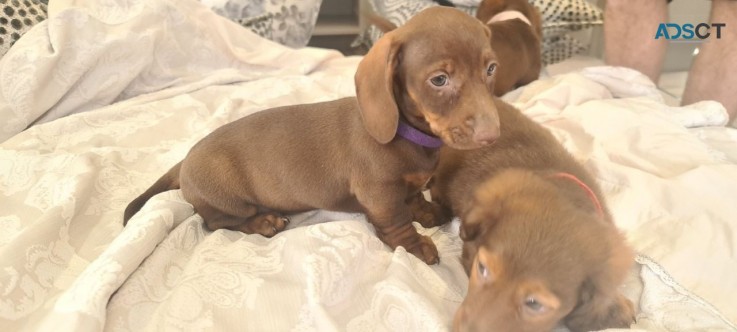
x: 261, y: 25
x: 559, y: 48
x: 288, y: 22
x: 17, y: 17
x: 560, y: 17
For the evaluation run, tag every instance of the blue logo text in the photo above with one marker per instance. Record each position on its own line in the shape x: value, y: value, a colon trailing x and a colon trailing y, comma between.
x: 673, y: 31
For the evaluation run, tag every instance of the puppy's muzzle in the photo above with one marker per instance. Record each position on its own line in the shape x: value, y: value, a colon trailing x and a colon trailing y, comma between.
x: 473, y: 133
x: 485, y: 129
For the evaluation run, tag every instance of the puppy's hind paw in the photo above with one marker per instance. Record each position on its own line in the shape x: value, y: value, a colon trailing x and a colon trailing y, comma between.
x: 268, y: 224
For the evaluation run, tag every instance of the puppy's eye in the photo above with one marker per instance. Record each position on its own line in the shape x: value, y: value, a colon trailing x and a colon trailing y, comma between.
x: 482, y: 270
x: 534, y: 305
x: 491, y: 69
x: 439, y: 80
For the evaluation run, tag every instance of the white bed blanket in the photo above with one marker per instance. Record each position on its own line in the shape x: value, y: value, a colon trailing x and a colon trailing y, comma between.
x: 120, y: 90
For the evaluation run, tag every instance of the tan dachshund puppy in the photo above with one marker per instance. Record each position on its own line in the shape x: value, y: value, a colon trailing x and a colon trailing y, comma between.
x: 516, y: 37
x: 367, y: 154
x: 539, y: 246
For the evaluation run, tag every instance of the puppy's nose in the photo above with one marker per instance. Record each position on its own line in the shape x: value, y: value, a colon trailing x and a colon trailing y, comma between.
x: 485, y: 136
x: 485, y: 129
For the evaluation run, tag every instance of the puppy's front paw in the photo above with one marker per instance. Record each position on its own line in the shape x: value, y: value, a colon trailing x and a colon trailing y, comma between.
x: 425, y: 219
x: 619, y: 314
x: 428, y: 214
x: 426, y: 251
x: 623, y: 313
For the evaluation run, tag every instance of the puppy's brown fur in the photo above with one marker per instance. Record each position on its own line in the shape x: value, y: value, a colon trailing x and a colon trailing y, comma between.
x: 536, y: 248
x: 517, y: 45
x: 343, y: 155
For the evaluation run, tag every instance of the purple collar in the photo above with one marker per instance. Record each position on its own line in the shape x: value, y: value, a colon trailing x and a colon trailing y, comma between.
x: 416, y: 136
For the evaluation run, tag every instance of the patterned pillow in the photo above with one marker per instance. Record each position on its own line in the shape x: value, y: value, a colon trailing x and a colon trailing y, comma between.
x: 288, y: 22
x: 563, y: 16
x: 17, y: 17
x: 261, y: 25
x: 557, y: 49
x: 560, y: 17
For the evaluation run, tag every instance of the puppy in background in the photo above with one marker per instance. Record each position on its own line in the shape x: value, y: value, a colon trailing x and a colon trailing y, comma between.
x: 540, y: 247
x: 516, y: 37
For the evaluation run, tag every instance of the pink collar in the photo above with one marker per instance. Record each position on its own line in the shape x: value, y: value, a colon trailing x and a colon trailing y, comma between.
x: 589, y: 192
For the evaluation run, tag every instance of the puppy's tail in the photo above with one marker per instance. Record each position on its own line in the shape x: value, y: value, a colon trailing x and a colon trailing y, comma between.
x: 168, y: 181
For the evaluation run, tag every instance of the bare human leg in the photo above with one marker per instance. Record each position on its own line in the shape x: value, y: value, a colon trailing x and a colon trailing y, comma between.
x: 629, y: 35
x: 713, y: 74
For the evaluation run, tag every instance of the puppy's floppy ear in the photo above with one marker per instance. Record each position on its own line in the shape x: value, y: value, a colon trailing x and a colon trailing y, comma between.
x: 600, y: 304
x: 480, y: 215
x: 375, y: 89
x: 468, y: 230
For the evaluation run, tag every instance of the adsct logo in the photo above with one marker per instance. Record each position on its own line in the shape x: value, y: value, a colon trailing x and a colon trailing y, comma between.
x: 687, y: 32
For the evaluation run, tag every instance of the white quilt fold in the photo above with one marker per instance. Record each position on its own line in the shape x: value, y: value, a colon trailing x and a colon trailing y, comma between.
x: 87, y: 55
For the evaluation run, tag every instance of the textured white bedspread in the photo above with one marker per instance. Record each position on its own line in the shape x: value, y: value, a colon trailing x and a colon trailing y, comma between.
x: 120, y: 90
